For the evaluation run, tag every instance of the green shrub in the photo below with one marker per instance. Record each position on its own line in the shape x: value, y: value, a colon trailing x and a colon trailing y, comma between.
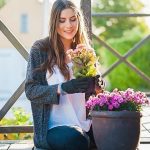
x: 123, y: 76
x: 20, y: 117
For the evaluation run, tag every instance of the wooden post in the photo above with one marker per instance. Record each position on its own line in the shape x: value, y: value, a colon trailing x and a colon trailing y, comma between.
x: 86, y: 8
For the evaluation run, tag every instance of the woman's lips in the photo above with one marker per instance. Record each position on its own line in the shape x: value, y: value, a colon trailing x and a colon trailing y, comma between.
x: 69, y: 31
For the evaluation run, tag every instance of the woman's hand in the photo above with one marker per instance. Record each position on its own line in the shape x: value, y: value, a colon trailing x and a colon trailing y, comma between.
x: 80, y: 46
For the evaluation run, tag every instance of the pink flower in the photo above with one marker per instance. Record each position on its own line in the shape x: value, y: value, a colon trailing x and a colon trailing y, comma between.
x: 118, y: 100
x: 110, y: 107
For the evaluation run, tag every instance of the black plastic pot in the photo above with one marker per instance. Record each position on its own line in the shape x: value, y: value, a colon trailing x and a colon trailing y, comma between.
x: 116, y: 130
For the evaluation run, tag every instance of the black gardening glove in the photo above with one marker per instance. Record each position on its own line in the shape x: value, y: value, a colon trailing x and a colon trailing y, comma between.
x: 80, y: 85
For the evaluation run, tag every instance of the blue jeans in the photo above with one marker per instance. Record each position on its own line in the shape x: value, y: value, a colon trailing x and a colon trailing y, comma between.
x: 67, y: 138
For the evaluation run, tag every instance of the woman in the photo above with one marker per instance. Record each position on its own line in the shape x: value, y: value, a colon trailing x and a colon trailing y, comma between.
x: 57, y: 99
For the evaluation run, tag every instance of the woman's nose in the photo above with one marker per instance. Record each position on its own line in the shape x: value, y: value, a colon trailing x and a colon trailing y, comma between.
x: 68, y: 24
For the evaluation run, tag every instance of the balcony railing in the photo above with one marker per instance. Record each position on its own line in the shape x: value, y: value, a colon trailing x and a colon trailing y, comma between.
x: 86, y: 6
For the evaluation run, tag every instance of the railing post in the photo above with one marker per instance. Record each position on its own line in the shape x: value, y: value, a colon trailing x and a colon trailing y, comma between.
x: 86, y: 8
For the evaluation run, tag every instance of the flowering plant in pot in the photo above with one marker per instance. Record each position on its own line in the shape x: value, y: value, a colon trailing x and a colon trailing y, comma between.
x: 84, y: 60
x: 85, y: 64
x: 116, y: 117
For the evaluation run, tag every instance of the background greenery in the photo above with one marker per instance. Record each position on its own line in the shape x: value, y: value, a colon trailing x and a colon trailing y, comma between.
x: 20, y: 117
x: 122, y: 33
x: 2, y: 3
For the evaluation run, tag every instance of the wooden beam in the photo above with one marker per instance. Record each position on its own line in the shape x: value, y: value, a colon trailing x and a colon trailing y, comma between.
x: 12, y: 100
x: 16, y: 129
x: 86, y: 8
x: 14, y: 41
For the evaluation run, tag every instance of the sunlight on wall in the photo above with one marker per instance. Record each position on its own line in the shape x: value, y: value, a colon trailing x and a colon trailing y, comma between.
x: 146, y: 10
x: 77, y: 2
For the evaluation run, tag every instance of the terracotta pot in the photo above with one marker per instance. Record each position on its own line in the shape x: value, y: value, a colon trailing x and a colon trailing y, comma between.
x: 116, y: 130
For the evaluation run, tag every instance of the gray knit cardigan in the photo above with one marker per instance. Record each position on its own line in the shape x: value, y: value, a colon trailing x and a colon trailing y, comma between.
x: 40, y: 94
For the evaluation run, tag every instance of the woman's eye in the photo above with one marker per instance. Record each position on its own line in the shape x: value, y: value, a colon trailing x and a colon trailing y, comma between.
x: 73, y: 19
x: 61, y: 20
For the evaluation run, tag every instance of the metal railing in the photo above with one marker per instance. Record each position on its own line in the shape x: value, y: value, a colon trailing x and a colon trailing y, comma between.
x: 21, y: 49
x: 123, y: 58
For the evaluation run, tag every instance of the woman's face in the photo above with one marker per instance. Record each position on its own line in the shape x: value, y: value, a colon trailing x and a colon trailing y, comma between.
x: 68, y: 24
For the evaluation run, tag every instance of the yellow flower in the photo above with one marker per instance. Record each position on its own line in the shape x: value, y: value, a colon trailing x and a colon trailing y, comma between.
x: 84, y: 62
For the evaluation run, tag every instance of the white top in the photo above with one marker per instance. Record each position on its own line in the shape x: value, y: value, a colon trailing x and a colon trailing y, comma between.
x: 71, y: 110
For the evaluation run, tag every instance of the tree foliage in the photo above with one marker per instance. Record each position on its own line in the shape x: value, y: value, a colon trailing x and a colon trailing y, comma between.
x: 20, y: 117
x: 123, y: 76
x: 2, y: 3
x: 114, y: 27
x: 122, y: 33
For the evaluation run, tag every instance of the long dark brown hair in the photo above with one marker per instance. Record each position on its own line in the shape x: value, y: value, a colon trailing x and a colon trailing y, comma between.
x: 56, y: 53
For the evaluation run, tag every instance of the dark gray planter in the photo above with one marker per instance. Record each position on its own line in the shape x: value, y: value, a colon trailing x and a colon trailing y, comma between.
x: 116, y: 130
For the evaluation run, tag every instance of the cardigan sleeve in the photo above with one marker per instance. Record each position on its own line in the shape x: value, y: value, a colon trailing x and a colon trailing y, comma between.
x: 35, y: 90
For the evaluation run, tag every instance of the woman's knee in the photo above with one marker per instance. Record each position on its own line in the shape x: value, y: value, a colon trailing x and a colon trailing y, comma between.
x: 66, y: 138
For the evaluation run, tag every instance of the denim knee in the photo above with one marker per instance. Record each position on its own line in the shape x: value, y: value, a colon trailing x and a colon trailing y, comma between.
x: 66, y: 138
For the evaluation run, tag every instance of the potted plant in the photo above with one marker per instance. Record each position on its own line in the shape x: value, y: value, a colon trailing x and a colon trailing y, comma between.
x: 116, y: 118
x: 115, y: 115
x: 85, y: 64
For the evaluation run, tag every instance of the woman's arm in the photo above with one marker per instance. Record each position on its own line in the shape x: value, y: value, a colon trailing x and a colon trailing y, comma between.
x: 34, y: 89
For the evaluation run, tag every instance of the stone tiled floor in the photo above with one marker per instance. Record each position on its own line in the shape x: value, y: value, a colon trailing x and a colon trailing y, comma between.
x: 145, y: 126
x: 27, y: 145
